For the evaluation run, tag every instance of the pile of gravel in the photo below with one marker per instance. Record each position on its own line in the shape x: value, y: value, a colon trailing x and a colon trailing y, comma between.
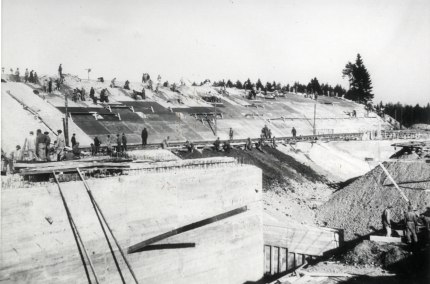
x: 357, y: 208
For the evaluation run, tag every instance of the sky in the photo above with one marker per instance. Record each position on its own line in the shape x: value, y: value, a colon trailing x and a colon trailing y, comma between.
x: 283, y: 41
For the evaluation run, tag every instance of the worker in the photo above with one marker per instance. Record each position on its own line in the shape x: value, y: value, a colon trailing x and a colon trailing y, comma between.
x: 47, y: 145
x: 226, y: 146
x: 50, y: 86
x: 411, y: 222
x: 17, y: 75
x: 92, y: 92
x: 83, y: 94
x: 386, y: 220
x: 248, y: 145
x: 93, y: 149
x: 426, y: 220
x: 60, y: 72
x: 124, y: 142
x: 73, y: 140
x: 40, y: 145
x: 30, y: 146
x: 127, y: 85
x: 217, y: 145
x: 97, y: 144
x: 26, y: 75
x: 230, y: 134
x: 112, y: 83
x: 144, y: 136
x: 118, y: 144
x: 274, y: 142
x: 59, y: 147
x: 76, y: 151
x: 165, y: 143
x: 294, y: 132
x: 15, y: 155
x: 109, y: 145
x: 189, y: 146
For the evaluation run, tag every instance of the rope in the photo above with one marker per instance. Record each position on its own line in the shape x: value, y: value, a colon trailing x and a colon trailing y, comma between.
x: 99, y: 211
x: 69, y: 217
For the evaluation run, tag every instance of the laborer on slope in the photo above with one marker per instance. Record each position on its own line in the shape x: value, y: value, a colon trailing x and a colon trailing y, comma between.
x: 59, y: 147
x: 30, y: 146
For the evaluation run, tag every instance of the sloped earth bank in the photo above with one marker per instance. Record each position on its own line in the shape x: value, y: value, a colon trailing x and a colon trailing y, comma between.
x: 291, y: 188
x: 357, y: 208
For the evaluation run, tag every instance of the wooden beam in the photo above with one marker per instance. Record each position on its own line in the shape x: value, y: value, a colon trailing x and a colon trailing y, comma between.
x: 139, y: 246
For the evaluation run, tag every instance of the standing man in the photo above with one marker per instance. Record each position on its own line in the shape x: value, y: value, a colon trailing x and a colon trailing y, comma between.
x: 40, y: 145
x: 30, y: 146
x: 386, y: 221
x: 294, y: 132
x: 231, y: 133
x: 124, y: 142
x: 47, y: 145
x: 411, y: 222
x: 96, y: 145
x: 109, y: 145
x: 60, y: 72
x: 118, y: 144
x: 50, y: 86
x: 59, y: 147
x: 144, y: 136
x: 26, y: 75
x: 73, y: 140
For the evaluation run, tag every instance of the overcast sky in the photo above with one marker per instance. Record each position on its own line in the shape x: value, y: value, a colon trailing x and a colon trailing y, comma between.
x: 282, y: 40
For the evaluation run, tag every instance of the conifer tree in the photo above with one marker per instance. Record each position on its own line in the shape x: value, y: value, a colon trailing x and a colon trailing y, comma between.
x: 360, y: 84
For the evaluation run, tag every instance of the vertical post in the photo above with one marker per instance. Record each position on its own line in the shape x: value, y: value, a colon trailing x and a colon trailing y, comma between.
x: 315, y: 112
x: 216, y: 132
x: 66, y: 121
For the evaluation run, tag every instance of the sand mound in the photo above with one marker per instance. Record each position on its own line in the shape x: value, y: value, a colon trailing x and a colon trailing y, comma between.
x: 357, y: 208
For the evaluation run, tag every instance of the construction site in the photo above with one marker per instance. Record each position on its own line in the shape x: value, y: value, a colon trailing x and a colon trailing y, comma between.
x: 180, y: 207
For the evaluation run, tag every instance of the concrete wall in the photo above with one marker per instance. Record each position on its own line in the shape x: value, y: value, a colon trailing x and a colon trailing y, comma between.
x: 138, y: 207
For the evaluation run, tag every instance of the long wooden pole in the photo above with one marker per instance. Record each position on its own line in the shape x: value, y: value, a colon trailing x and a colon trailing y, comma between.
x: 395, y: 184
x: 76, y: 234
x: 107, y: 225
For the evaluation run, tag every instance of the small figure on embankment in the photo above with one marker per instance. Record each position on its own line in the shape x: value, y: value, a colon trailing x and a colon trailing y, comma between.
x: 144, y: 137
x: 294, y: 132
x: 386, y: 221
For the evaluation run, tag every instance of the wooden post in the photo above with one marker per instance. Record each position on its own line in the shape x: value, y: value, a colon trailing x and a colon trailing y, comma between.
x: 395, y: 184
x: 66, y: 121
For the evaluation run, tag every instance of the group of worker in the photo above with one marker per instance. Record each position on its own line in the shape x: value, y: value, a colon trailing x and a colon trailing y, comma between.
x: 411, y: 221
x: 114, y: 145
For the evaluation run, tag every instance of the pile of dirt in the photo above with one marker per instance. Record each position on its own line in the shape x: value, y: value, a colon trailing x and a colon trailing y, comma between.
x: 357, y: 208
x: 371, y: 253
x: 290, y: 187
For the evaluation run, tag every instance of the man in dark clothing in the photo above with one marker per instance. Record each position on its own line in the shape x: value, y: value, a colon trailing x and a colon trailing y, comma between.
x: 31, y: 78
x: 50, y: 86
x: 217, y: 145
x: 97, y: 144
x: 226, y: 146
x: 124, y: 142
x: 76, y: 151
x: 294, y: 132
x: 92, y: 92
x: 118, y: 143
x: 127, y: 85
x: 386, y: 221
x: 57, y: 84
x: 60, y: 71
x: 144, y: 137
x: 48, y: 144
x: 411, y: 222
x: 73, y: 139
x: 231, y: 133
x: 248, y: 145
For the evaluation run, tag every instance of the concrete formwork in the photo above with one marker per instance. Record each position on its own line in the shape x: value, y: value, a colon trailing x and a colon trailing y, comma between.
x: 138, y: 207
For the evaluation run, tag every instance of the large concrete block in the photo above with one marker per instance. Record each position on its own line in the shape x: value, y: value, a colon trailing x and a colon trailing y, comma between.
x: 137, y: 208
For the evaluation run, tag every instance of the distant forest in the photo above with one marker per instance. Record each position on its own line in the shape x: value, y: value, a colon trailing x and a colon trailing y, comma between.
x: 407, y: 115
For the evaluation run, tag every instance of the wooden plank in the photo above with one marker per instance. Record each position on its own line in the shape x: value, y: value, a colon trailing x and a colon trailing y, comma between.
x: 381, y: 239
x: 189, y: 227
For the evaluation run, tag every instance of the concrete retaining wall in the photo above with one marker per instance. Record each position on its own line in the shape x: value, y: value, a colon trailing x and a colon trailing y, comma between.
x: 138, y: 207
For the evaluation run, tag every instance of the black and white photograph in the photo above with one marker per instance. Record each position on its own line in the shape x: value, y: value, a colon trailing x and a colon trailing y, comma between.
x: 215, y: 141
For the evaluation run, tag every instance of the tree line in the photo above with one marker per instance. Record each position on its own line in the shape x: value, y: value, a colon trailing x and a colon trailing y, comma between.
x: 407, y: 115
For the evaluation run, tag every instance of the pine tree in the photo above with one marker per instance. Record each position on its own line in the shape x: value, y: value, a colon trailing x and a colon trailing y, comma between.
x: 360, y: 84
